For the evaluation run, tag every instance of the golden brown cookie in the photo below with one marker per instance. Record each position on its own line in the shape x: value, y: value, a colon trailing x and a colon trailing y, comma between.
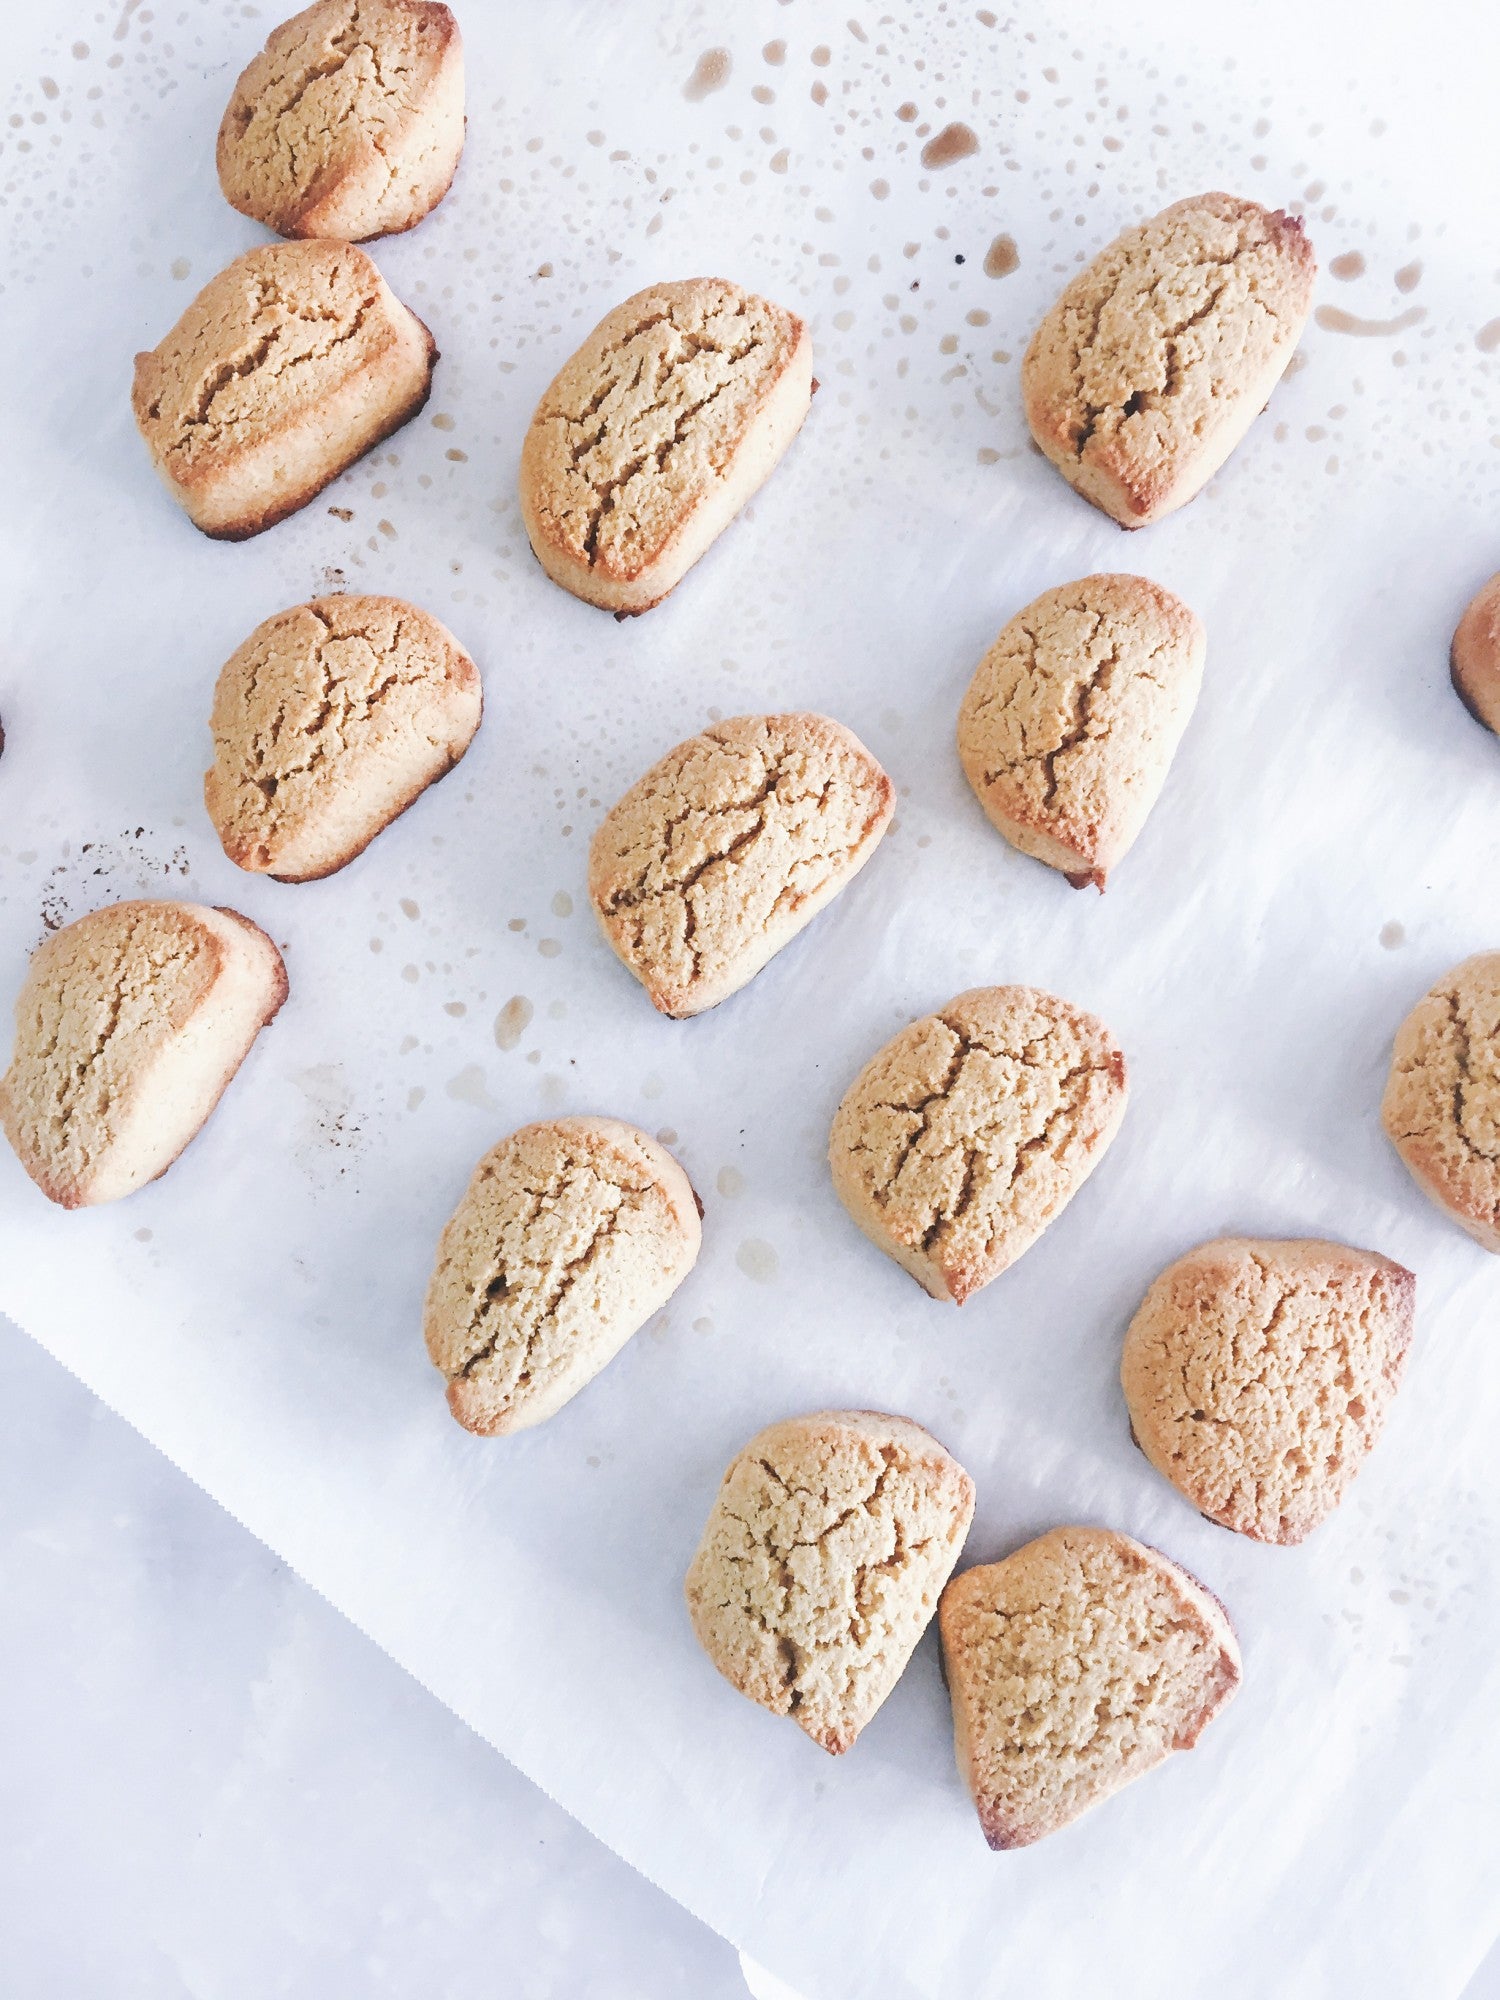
x: 1072, y: 719
x: 350, y: 121
x: 729, y: 846
x: 328, y: 722
x: 130, y: 1025
x: 570, y: 1235
x: 1075, y: 1666
x: 284, y: 370
x: 967, y: 1134
x: 1442, y: 1099
x: 1156, y: 360
x: 1475, y: 657
x: 670, y: 416
x: 1259, y: 1374
x: 822, y: 1561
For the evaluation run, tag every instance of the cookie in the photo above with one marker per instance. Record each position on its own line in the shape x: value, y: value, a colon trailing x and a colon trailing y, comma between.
x: 327, y: 723
x: 129, y: 1026
x: 571, y: 1234
x: 822, y: 1562
x: 729, y: 846
x: 1475, y: 658
x: 1075, y: 1666
x: 1258, y: 1374
x: 285, y: 369
x: 1070, y: 724
x: 973, y: 1129
x: 669, y: 417
x: 1157, y: 359
x: 1442, y: 1099
x: 350, y: 121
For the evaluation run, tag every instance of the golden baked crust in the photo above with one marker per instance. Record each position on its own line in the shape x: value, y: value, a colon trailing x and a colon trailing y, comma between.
x: 350, y: 121
x: 1475, y: 656
x: 958, y: 1144
x: 328, y: 722
x: 1155, y: 361
x: 288, y: 366
x: 658, y: 430
x: 130, y: 1025
x: 570, y: 1235
x: 728, y: 846
x: 1259, y: 1374
x: 1075, y: 1666
x: 1070, y: 723
x: 1441, y: 1109
x: 822, y: 1561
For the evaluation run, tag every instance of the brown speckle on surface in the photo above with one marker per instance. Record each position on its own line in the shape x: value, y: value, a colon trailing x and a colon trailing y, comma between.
x: 1350, y: 265
x: 954, y: 142
x: 1409, y: 276
x: 512, y: 1021
x: 1488, y: 337
x: 730, y: 1182
x: 1001, y: 258
x: 468, y: 1087
x: 1333, y: 319
x: 710, y: 73
x: 774, y: 53
x: 757, y: 1259
x: 1392, y: 935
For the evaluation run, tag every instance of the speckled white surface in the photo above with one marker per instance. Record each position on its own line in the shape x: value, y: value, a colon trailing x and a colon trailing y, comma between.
x: 1309, y: 870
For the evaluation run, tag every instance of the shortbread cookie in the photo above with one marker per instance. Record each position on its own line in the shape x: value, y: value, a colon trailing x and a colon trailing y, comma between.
x: 284, y: 370
x: 328, y: 722
x: 822, y: 1563
x: 1258, y: 1375
x: 1076, y: 1665
x: 129, y: 1026
x: 664, y: 423
x: 1071, y: 722
x: 571, y: 1234
x: 1442, y: 1099
x: 350, y: 121
x: 956, y: 1146
x: 729, y: 846
x: 1475, y: 658
x: 1157, y: 359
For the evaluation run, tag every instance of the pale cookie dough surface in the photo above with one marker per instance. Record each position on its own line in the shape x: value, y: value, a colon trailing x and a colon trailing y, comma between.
x: 959, y: 1143
x: 350, y: 121
x: 571, y: 1234
x: 656, y: 433
x: 1259, y: 1374
x: 287, y: 367
x: 328, y: 722
x: 1076, y: 1665
x: 1475, y: 658
x: 1072, y: 719
x: 729, y: 846
x: 822, y: 1562
x: 1155, y: 361
x: 129, y: 1026
x: 1442, y: 1100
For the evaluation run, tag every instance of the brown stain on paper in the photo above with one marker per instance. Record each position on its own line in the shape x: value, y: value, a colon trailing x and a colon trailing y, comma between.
x: 954, y: 142
x: 710, y: 73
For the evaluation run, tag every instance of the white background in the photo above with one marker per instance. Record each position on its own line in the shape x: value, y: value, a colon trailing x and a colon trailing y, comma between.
x: 1438, y: 166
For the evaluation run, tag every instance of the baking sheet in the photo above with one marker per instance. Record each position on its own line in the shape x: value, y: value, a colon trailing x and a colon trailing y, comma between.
x: 1325, y: 847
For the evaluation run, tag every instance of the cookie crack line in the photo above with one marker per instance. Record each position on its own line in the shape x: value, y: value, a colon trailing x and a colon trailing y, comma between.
x: 546, y: 1312
x: 200, y: 417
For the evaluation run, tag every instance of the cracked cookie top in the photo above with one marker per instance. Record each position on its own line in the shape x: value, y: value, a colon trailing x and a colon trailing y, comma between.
x: 822, y: 1562
x: 1076, y: 1665
x: 1475, y: 658
x: 643, y: 425
x: 129, y: 1025
x: 571, y: 1234
x: 1442, y: 1099
x: 1156, y: 359
x: 350, y: 121
x: 956, y: 1146
x: 327, y: 722
x: 726, y: 848
x: 1258, y: 1374
x: 268, y: 344
x: 1070, y: 722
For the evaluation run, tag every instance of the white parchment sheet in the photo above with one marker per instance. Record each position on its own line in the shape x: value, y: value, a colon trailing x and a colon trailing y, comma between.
x: 1326, y: 846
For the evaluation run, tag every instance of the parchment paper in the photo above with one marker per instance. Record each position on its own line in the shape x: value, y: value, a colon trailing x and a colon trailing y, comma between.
x: 1326, y: 846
